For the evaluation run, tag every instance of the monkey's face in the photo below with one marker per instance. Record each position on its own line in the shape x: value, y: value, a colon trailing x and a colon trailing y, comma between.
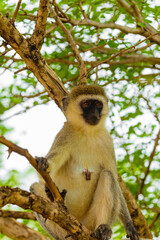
x: 87, y: 112
x: 91, y: 110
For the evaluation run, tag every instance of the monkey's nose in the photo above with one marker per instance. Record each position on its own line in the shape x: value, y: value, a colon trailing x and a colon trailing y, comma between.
x: 96, y: 113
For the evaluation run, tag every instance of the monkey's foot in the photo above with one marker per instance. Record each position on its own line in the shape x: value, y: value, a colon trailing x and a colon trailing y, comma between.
x: 49, y: 195
x: 103, y: 232
x: 131, y: 232
x: 42, y: 163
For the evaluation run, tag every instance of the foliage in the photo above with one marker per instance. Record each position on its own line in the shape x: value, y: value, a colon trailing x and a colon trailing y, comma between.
x: 131, y: 81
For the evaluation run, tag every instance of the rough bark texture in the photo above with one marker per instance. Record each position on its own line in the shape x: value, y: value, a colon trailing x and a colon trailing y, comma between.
x: 33, y: 59
x: 49, y: 210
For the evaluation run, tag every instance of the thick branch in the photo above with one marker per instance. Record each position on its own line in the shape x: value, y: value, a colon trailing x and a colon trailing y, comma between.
x: 49, y: 210
x: 40, y: 28
x: 18, y: 231
x: 24, y: 152
x: 33, y: 59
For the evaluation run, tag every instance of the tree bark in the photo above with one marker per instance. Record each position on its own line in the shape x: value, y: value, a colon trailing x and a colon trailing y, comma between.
x: 18, y: 231
x: 33, y: 59
x: 49, y: 210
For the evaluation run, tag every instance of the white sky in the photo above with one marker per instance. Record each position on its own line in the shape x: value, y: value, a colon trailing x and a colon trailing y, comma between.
x: 34, y: 130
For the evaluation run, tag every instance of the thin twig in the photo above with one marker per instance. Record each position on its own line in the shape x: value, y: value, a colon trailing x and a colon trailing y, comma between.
x: 154, y: 220
x: 30, y: 96
x: 149, y: 164
x: 121, y: 52
x: 149, y: 106
x: 82, y: 67
x: 16, y: 12
x: 137, y: 13
x: 24, y: 110
x: 83, y: 12
x: 21, y: 70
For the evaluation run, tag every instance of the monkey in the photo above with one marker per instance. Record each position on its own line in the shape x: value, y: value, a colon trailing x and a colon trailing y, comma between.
x: 82, y: 164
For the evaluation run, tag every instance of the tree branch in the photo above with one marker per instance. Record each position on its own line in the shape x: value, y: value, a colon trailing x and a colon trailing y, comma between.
x: 24, y: 152
x: 111, y: 25
x: 121, y: 52
x: 134, y: 11
x: 16, y: 230
x: 82, y: 67
x: 33, y: 59
x: 16, y: 12
x: 17, y: 214
x: 138, y: 218
x: 154, y: 220
x: 49, y: 210
x: 30, y: 96
x: 40, y: 28
x: 136, y: 214
x: 149, y: 163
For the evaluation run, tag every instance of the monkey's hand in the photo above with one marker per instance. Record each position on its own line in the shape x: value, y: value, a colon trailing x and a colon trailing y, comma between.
x: 103, y: 232
x: 131, y: 232
x: 42, y: 163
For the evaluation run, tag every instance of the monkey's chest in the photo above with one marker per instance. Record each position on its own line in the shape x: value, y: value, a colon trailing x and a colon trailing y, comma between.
x: 82, y: 170
x: 80, y: 183
x: 79, y: 176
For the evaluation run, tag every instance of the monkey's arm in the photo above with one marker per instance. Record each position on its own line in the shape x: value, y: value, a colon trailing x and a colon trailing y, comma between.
x: 59, y: 152
x: 54, y: 160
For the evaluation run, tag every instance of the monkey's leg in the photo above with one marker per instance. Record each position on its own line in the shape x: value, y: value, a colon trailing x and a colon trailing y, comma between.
x: 105, y: 206
x: 126, y: 219
x: 49, y: 226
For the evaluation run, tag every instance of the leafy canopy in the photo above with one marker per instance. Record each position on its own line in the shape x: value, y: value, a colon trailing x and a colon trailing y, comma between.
x: 100, y: 29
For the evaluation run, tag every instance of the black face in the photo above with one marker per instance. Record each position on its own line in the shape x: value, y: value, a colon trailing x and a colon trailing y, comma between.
x: 92, y: 109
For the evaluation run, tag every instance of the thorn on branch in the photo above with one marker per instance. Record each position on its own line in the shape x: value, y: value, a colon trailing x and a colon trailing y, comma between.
x: 9, y: 152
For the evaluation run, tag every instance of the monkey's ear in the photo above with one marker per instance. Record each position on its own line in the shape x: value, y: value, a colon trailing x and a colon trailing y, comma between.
x: 65, y: 102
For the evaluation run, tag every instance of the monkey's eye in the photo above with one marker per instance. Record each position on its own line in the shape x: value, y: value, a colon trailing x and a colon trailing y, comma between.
x: 86, y: 104
x: 98, y: 104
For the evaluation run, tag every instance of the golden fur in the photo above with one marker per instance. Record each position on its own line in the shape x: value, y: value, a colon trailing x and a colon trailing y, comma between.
x: 79, y: 147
